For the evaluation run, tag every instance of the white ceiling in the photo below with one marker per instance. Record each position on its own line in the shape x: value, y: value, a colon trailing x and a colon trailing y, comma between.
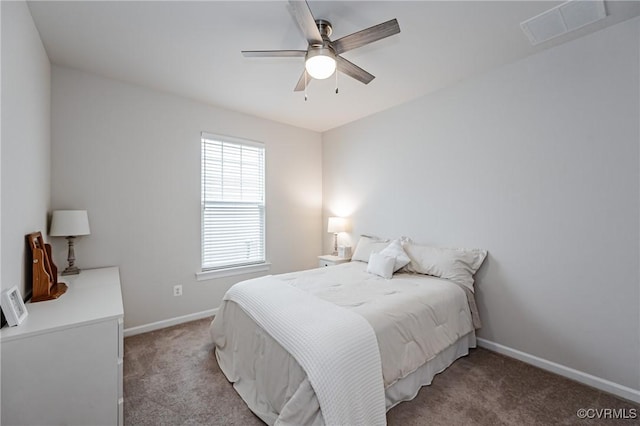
x: 193, y: 49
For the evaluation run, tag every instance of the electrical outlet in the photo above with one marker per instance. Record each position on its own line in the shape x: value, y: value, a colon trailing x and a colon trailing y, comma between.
x: 177, y: 290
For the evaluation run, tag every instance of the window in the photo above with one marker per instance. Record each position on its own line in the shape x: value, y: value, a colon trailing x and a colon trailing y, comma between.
x: 233, y: 220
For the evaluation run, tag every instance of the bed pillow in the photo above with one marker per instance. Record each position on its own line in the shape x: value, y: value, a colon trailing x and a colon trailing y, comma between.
x: 381, y: 265
x: 394, y: 249
x: 367, y: 245
x: 457, y: 265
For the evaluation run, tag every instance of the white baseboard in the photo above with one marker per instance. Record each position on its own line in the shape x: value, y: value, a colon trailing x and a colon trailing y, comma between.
x: 578, y: 376
x: 168, y: 322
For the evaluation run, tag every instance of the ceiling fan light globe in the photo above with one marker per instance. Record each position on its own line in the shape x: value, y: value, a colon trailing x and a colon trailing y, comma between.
x: 320, y: 66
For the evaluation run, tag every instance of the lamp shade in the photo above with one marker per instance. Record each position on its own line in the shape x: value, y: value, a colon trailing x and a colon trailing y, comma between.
x: 69, y: 223
x: 337, y: 224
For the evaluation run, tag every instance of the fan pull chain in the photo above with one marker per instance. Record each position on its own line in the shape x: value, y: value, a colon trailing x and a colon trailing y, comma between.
x: 305, y: 86
x: 336, y: 71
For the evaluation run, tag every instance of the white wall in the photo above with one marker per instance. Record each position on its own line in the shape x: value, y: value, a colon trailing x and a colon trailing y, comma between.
x: 26, y: 149
x: 131, y: 157
x: 537, y: 162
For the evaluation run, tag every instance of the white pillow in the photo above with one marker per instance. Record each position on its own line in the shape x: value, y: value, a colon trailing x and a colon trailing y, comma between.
x: 457, y: 265
x: 394, y: 249
x: 381, y: 265
x: 367, y: 245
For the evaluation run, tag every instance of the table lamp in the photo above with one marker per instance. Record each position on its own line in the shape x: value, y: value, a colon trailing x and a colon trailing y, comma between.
x: 69, y: 224
x: 335, y: 226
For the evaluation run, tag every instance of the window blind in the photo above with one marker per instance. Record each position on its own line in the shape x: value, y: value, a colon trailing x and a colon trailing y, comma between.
x: 233, y: 218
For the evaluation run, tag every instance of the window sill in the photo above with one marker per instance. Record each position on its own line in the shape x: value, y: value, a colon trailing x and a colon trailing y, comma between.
x: 228, y: 272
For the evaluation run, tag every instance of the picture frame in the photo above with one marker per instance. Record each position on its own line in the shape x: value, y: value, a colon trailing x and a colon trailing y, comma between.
x: 13, y: 306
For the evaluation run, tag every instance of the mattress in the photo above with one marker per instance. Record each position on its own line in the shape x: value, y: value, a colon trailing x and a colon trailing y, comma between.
x: 421, y: 323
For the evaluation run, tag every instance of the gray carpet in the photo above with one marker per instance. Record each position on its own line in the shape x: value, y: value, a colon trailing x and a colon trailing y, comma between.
x: 171, y: 377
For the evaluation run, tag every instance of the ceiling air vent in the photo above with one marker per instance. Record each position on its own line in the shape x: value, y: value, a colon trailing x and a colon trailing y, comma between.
x: 562, y: 19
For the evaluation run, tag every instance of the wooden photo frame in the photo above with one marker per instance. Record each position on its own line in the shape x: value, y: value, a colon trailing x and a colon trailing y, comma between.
x: 13, y: 306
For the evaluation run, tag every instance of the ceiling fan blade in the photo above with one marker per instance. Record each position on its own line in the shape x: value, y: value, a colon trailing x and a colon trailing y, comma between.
x: 366, y: 36
x: 307, y: 23
x: 352, y: 70
x: 274, y: 53
x: 301, y: 82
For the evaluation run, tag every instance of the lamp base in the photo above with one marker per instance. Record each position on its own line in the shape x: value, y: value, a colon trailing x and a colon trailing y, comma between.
x: 71, y: 270
x: 71, y: 259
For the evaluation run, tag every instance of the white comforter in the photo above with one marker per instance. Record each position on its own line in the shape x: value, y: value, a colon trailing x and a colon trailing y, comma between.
x: 336, y: 347
x: 414, y: 317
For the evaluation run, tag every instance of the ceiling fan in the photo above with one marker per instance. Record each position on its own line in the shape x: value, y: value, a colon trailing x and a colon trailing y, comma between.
x: 322, y: 56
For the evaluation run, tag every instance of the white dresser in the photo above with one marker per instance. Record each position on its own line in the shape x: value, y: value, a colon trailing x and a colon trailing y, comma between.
x: 63, y: 364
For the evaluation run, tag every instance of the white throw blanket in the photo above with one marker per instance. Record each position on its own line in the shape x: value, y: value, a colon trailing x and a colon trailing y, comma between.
x: 336, y: 347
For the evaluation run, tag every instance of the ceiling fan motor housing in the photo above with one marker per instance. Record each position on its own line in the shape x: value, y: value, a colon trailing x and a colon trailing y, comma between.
x: 325, y: 29
x: 324, y: 49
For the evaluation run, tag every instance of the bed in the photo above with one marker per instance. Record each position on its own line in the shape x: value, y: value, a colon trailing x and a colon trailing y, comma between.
x: 421, y: 324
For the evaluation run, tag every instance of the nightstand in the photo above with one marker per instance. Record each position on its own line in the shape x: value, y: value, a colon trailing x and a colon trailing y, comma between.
x: 330, y: 260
